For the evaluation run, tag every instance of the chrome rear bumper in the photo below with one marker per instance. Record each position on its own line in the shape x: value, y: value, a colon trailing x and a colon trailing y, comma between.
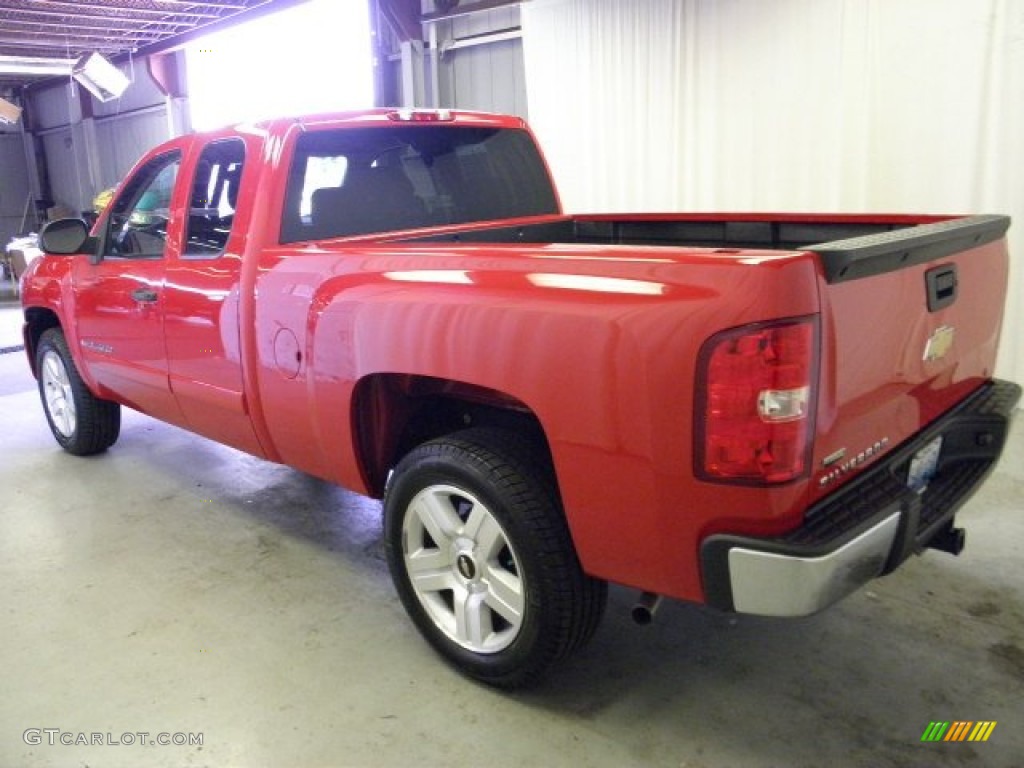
x: 868, y: 527
x: 770, y: 584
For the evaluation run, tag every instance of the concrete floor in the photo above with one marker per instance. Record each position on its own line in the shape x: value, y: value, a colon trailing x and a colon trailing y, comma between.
x: 175, y: 586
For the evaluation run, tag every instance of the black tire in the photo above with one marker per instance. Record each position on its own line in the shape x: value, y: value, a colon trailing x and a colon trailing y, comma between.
x: 82, y: 423
x: 477, y: 520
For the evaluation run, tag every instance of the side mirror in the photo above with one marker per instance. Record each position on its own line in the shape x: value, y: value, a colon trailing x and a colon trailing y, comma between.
x: 64, y: 237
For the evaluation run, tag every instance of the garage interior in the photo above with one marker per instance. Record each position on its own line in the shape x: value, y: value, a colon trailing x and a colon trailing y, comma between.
x: 175, y: 585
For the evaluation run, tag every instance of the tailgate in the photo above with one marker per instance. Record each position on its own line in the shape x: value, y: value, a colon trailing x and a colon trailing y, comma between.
x: 910, y: 327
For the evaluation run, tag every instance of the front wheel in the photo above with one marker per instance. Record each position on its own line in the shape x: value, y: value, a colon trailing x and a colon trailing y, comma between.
x: 82, y: 423
x: 482, y: 559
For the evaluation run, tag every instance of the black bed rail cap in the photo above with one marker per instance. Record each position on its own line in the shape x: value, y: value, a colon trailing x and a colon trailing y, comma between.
x: 888, y: 251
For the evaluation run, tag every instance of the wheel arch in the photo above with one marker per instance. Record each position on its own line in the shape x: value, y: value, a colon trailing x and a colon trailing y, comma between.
x: 38, y: 320
x: 393, y: 413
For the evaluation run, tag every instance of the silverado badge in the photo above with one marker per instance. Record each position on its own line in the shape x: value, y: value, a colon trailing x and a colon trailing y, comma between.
x: 838, y: 468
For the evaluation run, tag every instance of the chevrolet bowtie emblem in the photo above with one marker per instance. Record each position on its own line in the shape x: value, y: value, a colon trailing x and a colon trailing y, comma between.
x: 939, y: 343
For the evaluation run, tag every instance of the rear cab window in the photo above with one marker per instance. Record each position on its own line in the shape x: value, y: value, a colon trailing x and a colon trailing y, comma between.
x: 355, y: 181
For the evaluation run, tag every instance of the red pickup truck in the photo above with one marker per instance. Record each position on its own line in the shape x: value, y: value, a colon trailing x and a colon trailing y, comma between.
x: 755, y: 412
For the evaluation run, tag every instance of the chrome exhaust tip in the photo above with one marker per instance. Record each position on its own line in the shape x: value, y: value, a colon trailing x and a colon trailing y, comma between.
x: 646, y: 606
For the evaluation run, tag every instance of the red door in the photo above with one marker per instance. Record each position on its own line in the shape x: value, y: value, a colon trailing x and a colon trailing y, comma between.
x: 120, y: 300
x: 202, y: 294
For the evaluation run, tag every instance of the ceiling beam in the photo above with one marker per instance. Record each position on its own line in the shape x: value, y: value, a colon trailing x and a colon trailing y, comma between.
x: 76, y: 6
x: 76, y: 35
x: 74, y: 30
x: 403, y: 16
x: 224, y: 22
x: 72, y: 19
x: 190, y: 3
x: 58, y: 45
x: 468, y: 9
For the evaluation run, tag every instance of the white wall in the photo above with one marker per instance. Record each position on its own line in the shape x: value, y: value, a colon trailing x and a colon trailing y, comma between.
x: 788, y: 105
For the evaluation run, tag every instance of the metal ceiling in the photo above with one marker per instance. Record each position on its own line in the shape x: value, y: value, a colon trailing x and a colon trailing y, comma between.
x: 38, y: 38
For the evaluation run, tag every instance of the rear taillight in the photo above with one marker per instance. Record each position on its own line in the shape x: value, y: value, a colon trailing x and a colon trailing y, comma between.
x: 755, y: 403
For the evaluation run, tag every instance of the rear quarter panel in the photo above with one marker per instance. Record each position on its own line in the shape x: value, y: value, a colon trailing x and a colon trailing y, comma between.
x: 600, y: 344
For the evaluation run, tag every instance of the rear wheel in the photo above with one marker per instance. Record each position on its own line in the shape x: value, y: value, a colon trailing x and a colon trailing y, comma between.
x: 82, y: 423
x: 482, y: 559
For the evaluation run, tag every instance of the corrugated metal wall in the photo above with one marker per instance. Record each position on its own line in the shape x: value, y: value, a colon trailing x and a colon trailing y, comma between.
x: 489, y: 76
x: 14, y: 187
x: 124, y: 139
x: 83, y: 157
x: 129, y: 126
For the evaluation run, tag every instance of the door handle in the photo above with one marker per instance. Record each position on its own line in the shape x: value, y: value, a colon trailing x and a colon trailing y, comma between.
x: 144, y: 295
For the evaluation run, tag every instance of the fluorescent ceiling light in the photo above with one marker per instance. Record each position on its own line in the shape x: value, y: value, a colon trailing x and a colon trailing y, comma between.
x: 101, y: 78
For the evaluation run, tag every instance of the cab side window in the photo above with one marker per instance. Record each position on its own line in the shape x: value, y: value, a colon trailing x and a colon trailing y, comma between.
x: 214, y: 195
x: 137, y: 227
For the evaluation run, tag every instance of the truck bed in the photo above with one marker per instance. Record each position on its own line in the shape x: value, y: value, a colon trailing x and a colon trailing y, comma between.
x: 849, y: 246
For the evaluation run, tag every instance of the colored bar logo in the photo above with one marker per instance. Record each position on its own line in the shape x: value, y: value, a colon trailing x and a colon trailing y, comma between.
x: 959, y: 730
